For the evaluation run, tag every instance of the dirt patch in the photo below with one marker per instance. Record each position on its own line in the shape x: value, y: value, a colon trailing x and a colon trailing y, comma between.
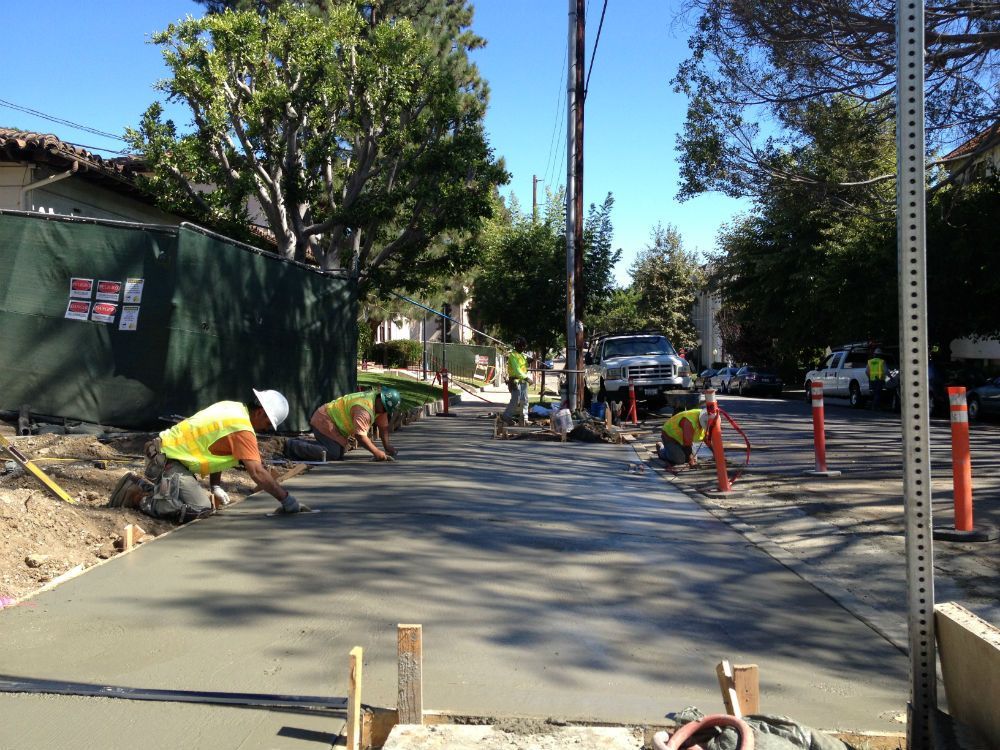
x: 42, y: 537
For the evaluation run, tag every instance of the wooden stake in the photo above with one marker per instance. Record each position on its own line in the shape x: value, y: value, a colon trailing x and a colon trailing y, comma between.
x: 129, y: 537
x: 409, y: 640
x: 724, y: 671
x: 746, y: 682
x: 354, y: 699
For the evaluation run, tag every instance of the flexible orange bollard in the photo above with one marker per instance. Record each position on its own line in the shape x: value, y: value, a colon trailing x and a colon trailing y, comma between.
x: 715, y: 441
x: 633, y: 412
x: 444, y: 389
x: 819, y: 433
x: 961, y: 461
x: 961, y: 467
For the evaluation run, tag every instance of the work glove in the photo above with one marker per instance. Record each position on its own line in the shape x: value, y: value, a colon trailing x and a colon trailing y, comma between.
x: 220, y: 495
x: 291, y: 505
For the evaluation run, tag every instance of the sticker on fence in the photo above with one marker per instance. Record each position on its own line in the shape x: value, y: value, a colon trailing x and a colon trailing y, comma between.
x: 133, y: 291
x: 129, y: 320
x: 109, y: 291
x: 83, y: 288
x: 77, y: 310
x: 104, y: 312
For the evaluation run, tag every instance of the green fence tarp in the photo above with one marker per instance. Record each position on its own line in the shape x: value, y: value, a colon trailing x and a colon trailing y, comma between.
x: 460, y: 358
x: 209, y: 320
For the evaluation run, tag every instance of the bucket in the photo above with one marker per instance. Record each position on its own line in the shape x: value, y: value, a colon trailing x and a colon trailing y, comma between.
x: 562, y: 421
x: 598, y: 409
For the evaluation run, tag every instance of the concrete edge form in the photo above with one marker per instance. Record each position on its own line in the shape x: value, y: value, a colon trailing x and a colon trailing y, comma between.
x: 969, y: 649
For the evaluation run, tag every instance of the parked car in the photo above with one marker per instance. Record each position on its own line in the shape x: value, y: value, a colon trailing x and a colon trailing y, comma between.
x: 705, y: 377
x: 939, y: 377
x: 752, y: 379
x: 984, y: 399
x: 720, y: 381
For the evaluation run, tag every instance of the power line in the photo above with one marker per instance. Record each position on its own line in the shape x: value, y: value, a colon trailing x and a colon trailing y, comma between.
x: 593, y: 54
x: 61, y: 121
x: 560, y: 111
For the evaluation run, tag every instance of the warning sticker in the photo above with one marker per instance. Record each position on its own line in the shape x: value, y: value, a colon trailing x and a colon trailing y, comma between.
x: 109, y: 290
x: 133, y: 291
x: 81, y: 288
x: 104, y: 312
x: 129, y: 320
x: 77, y: 310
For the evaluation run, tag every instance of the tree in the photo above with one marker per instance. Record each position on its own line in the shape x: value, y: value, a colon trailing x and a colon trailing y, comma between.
x: 360, y: 137
x: 520, y: 289
x: 755, y: 63
x: 666, y: 279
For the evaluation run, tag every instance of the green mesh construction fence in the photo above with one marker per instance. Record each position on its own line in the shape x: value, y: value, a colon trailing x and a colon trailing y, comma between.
x: 460, y: 358
x: 120, y: 324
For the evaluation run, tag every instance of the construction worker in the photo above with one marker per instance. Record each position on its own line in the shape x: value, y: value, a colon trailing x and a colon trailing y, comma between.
x: 678, y: 436
x: 517, y: 382
x: 875, y: 371
x: 352, y: 416
x: 215, y: 439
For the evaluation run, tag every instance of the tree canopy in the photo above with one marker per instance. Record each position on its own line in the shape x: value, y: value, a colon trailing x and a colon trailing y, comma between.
x: 357, y: 134
x: 756, y: 64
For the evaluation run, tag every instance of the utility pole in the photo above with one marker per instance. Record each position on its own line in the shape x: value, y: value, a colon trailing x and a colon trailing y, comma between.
x: 578, y: 195
x: 534, y: 198
x: 571, y: 351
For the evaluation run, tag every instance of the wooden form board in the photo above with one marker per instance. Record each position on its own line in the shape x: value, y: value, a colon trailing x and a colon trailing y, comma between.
x: 410, y: 648
x: 292, y: 472
x: 740, y: 686
x: 353, y: 730
x: 969, y: 649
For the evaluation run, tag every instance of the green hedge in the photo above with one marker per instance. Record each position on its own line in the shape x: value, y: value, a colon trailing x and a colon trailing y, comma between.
x: 398, y: 353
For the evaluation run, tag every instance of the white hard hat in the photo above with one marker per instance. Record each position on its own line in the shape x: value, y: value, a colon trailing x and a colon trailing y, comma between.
x: 274, y: 404
x: 703, y: 419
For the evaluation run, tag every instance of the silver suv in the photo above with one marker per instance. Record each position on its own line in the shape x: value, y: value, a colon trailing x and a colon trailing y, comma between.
x: 647, y: 359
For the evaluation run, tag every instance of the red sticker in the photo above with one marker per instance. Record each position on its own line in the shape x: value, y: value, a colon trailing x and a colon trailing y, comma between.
x: 104, y: 312
x: 109, y: 290
x: 81, y: 287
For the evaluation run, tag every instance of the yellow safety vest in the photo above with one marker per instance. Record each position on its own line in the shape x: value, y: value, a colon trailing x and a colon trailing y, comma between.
x: 876, y: 367
x: 517, y: 366
x: 189, y: 441
x: 672, y: 427
x: 339, y: 410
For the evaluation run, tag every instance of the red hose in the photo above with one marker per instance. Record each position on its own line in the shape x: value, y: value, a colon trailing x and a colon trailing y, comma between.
x: 680, y: 739
x: 746, y: 440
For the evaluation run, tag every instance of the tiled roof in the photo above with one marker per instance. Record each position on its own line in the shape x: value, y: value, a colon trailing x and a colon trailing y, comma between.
x: 22, y: 145
x: 976, y: 142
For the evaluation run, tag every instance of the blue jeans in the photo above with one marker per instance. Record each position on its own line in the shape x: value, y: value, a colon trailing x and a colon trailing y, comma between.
x: 518, y: 398
x: 334, y: 450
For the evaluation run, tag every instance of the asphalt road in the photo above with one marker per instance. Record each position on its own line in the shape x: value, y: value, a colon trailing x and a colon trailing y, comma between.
x: 549, y: 582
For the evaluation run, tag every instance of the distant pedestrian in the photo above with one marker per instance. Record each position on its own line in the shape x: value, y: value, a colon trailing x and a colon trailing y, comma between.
x: 678, y: 436
x: 876, y: 377
x: 517, y: 382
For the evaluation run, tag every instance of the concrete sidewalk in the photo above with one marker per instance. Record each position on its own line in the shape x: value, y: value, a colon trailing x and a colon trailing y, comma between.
x: 549, y: 581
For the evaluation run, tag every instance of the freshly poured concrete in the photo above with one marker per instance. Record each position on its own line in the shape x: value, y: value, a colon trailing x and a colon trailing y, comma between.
x: 549, y: 582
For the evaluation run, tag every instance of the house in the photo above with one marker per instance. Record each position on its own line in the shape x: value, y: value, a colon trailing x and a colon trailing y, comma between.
x: 41, y: 173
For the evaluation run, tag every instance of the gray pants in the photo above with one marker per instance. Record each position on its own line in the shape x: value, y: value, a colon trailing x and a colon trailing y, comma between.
x: 192, y: 492
x: 673, y: 452
x: 518, y: 399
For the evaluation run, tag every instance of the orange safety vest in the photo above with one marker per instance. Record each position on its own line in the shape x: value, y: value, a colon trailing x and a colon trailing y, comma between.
x: 189, y: 441
x: 673, y: 429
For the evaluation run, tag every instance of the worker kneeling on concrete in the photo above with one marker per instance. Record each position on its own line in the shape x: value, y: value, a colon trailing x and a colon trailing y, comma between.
x: 217, y: 438
x: 351, y: 416
x: 679, y: 434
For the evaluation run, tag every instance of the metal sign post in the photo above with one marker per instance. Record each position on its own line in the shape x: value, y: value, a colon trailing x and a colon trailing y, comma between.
x: 912, y: 263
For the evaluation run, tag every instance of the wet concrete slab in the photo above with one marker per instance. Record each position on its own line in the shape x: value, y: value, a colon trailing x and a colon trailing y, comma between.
x: 550, y: 582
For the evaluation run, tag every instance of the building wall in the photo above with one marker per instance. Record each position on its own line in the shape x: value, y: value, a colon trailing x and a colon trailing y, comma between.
x: 73, y: 196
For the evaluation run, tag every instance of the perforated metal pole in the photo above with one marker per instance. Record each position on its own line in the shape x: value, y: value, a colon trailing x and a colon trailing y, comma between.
x: 911, y: 239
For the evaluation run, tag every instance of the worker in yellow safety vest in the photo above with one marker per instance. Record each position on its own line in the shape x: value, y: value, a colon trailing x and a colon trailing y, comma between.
x: 679, y: 434
x: 518, y: 378
x: 334, y: 423
x: 217, y: 438
x: 876, y: 377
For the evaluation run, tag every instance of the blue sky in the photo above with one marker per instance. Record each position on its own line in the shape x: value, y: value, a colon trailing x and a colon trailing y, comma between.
x: 93, y: 66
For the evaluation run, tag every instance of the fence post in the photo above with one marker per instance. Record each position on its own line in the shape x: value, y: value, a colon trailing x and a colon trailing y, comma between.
x: 961, y: 468
x: 819, y: 433
x: 715, y: 441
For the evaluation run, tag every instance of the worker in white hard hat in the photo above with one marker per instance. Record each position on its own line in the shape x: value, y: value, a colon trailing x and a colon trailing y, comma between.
x: 217, y: 438
x: 679, y: 434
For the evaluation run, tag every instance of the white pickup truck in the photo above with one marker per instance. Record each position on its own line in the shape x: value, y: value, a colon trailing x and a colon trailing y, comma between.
x: 842, y: 374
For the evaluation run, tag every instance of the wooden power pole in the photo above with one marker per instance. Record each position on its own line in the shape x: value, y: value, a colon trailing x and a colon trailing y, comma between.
x: 578, y: 297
